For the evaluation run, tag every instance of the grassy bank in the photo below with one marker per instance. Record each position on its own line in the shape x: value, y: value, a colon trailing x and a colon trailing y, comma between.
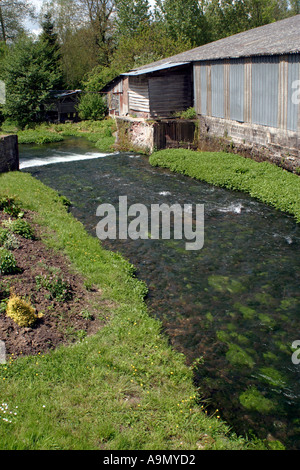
x: 264, y: 181
x: 122, y: 388
x: 100, y: 133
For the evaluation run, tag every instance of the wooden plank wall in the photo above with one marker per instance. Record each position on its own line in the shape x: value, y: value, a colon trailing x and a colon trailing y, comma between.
x: 170, y: 93
x: 138, y: 94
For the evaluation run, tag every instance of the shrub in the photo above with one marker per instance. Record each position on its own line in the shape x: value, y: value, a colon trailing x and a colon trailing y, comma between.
x: 10, y: 206
x: 21, y: 227
x: 189, y: 113
x: 8, y: 264
x: 21, y: 312
x: 92, y: 106
x: 58, y: 289
x: 4, y: 295
x: 11, y: 242
x: 3, y: 235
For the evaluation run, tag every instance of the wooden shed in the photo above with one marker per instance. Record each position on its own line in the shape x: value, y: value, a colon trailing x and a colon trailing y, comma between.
x: 63, y: 105
x: 153, y: 92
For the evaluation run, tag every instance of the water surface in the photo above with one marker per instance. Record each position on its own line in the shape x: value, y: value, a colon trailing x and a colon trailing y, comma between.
x: 232, y: 306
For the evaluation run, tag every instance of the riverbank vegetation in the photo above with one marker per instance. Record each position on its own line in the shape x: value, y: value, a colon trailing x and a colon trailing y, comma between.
x: 100, y: 133
x: 262, y: 180
x: 122, y: 387
x: 83, y: 45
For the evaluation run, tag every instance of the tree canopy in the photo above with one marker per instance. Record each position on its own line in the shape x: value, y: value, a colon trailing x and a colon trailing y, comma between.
x: 86, y: 43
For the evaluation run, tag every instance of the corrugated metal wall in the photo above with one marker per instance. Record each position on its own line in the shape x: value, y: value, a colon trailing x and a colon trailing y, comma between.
x: 236, y: 92
x: 265, y: 79
x: 293, y: 86
x: 256, y: 90
x: 217, y: 90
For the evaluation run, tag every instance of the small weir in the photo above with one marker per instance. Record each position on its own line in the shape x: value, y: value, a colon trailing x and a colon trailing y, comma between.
x: 233, y: 307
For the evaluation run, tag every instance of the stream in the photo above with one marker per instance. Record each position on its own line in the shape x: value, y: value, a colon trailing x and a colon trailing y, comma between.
x: 232, y: 308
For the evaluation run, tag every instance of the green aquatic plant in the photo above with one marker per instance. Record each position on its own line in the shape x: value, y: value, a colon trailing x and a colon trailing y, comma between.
x: 272, y: 377
x: 261, y: 180
x: 239, y: 357
x: 254, y: 400
x: 225, y: 284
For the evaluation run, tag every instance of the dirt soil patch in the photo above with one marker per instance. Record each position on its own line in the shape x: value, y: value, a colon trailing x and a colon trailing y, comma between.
x: 63, y: 321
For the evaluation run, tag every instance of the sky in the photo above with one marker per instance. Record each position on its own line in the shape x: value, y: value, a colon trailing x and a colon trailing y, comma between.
x: 34, y: 26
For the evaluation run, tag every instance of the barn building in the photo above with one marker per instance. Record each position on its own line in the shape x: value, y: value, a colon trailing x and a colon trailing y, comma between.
x: 245, y: 89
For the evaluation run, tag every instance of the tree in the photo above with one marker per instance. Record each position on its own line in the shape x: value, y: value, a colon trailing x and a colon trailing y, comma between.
x: 183, y: 19
x: 294, y: 7
x: 228, y: 17
x: 130, y: 16
x: 12, y: 16
x: 79, y: 55
x: 29, y: 79
x: 98, y: 14
x: 149, y: 44
x: 49, y: 38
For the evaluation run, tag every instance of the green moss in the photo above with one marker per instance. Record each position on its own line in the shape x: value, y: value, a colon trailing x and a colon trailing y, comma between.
x: 253, y: 400
x: 209, y: 317
x: 266, y: 320
x: 246, y: 311
x: 272, y: 377
x: 287, y: 304
x: 225, y: 284
x: 239, y: 357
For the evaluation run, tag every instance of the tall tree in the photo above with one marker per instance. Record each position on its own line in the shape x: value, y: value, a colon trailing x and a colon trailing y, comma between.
x: 52, y: 52
x: 184, y: 20
x: 294, y: 7
x: 130, y: 16
x: 228, y: 17
x: 12, y: 16
x: 29, y: 80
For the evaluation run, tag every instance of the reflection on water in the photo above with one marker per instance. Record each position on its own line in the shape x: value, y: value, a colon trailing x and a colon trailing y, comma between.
x: 235, y: 303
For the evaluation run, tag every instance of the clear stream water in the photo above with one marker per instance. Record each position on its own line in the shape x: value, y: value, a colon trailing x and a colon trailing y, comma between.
x: 235, y: 304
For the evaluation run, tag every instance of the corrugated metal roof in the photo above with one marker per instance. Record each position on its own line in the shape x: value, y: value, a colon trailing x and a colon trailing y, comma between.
x: 281, y: 37
x: 155, y: 68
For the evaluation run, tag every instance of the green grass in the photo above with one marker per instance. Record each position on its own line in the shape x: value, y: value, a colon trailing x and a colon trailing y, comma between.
x: 264, y: 181
x: 124, y: 387
x: 98, y: 132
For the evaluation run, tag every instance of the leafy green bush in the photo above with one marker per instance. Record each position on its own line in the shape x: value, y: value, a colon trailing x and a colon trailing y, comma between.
x: 10, y: 206
x: 92, y: 106
x: 4, y: 295
x: 58, y: 288
x: 11, y: 242
x: 3, y: 235
x: 21, y: 227
x: 8, y: 264
x: 189, y: 113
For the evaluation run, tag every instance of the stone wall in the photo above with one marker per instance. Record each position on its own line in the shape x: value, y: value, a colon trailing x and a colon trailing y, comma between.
x: 260, y: 142
x: 9, y: 153
x: 134, y: 134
